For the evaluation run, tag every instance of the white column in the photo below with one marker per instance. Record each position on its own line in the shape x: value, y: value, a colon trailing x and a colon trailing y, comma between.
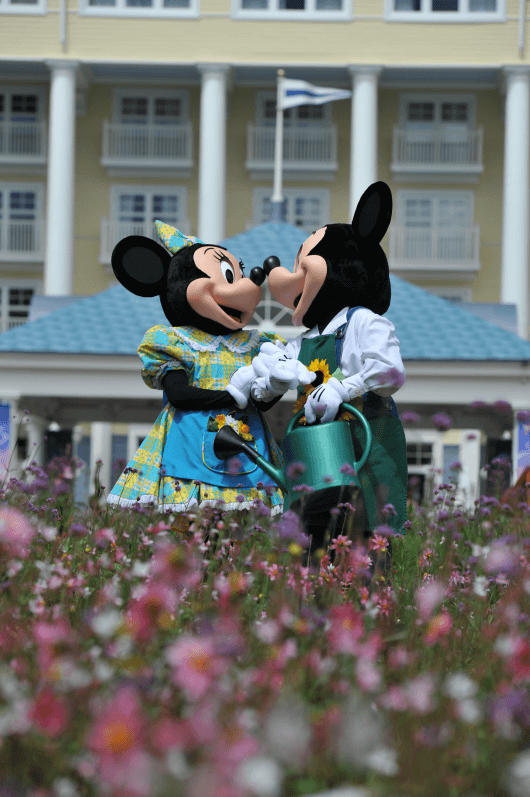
x: 59, y: 266
x: 101, y: 449
x: 211, y: 223
x: 515, y: 285
x: 35, y: 435
x: 363, y: 150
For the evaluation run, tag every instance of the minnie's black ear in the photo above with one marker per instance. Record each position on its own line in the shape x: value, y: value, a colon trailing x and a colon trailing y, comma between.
x: 373, y: 213
x: 141, y: 265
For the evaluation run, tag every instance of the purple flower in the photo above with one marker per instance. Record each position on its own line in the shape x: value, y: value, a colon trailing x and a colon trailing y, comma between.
x: 328, y: 479
x: 347, y: 468
x: 295, y: 469
x: 234, y: 465
x: 303, y: 488
x: 289, y: 528
x: 407, y: 524
x: 523, y: 416
x: 388, y: 510
x: 392, y: 378
x: 442, y: 421
x: 478, y: 405
x: 410, y: 417
x: 240, y: 498
x: 457, y: 465
x: 79, y: 528
x: 503, y: 407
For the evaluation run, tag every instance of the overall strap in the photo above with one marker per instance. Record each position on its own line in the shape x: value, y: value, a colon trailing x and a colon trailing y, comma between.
x: 340, y: 332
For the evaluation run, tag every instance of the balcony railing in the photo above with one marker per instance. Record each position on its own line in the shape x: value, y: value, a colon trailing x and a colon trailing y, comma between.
x: 22, y: 142
x: 304, y: 149
x: 451, y: 249
x: 113, y: 231
x: 21, y: 240
x: 434, y: 152
x: 145, y: 146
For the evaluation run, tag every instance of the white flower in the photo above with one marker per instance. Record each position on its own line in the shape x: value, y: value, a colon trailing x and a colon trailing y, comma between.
x: 103, y: 671
x: 459, y: 686
x: 49, y: 533
x: 140, y: 569
x: 287, y: 731
x: 177, y: 765
x: 106, y: 623
x: 469, y: 711
x: 505, y: 645
x: 383, y: 760
x: 64, y: 787
x: 361, y: 732
x: 267, y: 631
x: 479, y: 586
x: 262, y: 776
x: 517, y: 777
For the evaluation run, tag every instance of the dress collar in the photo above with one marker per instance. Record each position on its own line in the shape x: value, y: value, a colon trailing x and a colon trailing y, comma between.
x: 333, y: 325
x: 237, y: 342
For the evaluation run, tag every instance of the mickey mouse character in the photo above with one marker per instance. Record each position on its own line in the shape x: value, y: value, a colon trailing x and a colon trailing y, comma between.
x: 339, y: 289
x: 202, y: 361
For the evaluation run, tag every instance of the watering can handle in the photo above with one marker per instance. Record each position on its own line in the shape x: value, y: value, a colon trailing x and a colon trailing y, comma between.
x: 356, y: 465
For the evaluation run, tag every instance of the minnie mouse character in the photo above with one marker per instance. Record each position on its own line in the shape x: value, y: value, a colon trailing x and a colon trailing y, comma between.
x: 202, y: 361
x: 339, y: 289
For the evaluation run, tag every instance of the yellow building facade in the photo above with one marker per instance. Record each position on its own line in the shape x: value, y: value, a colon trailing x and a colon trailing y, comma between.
x: 117, y: 112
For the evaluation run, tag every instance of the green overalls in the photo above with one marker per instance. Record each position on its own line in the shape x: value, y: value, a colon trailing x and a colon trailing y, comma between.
x: 384, y: 476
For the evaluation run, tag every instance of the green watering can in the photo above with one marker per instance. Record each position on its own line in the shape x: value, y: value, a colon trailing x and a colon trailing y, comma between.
x: 323, y: 449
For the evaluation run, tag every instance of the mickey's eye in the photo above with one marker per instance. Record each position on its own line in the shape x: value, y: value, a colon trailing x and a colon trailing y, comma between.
x: 227, y: 269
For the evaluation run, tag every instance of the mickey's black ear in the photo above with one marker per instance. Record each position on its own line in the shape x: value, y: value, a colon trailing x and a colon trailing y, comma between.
x: 141, y: 265
x: 373, y: 213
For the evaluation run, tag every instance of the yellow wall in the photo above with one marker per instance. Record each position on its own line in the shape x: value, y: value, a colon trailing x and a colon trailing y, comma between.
x: 222, y: 38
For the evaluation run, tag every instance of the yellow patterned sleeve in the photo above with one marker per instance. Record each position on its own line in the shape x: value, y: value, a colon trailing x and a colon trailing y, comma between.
x: 272, y: 336
x: 161, y: 351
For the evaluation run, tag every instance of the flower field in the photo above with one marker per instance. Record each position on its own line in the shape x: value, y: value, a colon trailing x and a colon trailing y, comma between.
x: 144, y: 657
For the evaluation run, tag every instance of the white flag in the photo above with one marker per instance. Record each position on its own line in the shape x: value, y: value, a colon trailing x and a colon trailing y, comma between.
x: 298, y: 92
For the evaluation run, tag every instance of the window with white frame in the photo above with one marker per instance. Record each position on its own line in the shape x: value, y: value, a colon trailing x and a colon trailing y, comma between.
x: 305, y: 208
x: 436, y: 225
x: 15, y: 299
x: 23, y: 6
x: 300, y: 116
x: 449, y: 112
x: 446, y: 10
x: 322, y: 10
x: 21, y: 218
x: 22, y: 125
x: 177, y: 8
x: 134, y: 209
x: 150, y: 107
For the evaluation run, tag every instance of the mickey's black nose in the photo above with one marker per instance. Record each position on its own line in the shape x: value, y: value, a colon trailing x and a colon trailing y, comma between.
x: 257, y: 275
x: 270, y: 263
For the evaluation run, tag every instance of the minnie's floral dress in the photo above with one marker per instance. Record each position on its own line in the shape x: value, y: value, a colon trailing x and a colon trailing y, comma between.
x: 175, y: 466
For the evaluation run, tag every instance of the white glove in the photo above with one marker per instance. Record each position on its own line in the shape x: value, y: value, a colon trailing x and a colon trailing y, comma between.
x: 331, y: 394
x: 240, y: 384
x: 279, y: 372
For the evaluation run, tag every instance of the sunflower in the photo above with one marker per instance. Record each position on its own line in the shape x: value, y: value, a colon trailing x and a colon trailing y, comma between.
x: 319, y: 367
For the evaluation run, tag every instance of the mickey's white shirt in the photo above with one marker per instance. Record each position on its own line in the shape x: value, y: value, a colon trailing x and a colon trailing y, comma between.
x: 371, y: 359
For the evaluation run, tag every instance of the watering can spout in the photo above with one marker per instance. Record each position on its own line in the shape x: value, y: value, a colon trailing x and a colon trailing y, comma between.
x: 228, y: 443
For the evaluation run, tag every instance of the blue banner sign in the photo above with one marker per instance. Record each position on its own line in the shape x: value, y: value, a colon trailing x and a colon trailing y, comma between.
x: 4, y: 440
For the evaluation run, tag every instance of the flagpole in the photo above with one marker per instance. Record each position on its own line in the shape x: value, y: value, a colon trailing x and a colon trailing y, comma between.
x: 277, y: 196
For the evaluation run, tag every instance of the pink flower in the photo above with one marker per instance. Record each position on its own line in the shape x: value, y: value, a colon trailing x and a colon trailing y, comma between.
x: 120, y: 728
x: 16, y: 532
x: 419, y: 692
x: 395, y: 699
x: 49, y: 713
x: 341, y: 543
x: 169, y: 733
x: 151, y: 611
x: 378, y: 543
x: 367, y: 675
x: 346, y: 627
x: 195, y: 665
x: 438, y: 627
x: 428, y: 597
x: 519, y: 663
x: 410, y: 417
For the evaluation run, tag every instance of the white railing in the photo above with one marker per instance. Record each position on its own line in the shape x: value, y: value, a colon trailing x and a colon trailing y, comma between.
x: 21, y: 240
x: 449, y: 149
x: 23, y: 140
x: 165, y: 144
x: 301, y: 146
x: 433, y: 246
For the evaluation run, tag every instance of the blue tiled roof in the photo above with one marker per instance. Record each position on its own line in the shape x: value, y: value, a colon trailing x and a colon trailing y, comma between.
x: 114, y: 321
